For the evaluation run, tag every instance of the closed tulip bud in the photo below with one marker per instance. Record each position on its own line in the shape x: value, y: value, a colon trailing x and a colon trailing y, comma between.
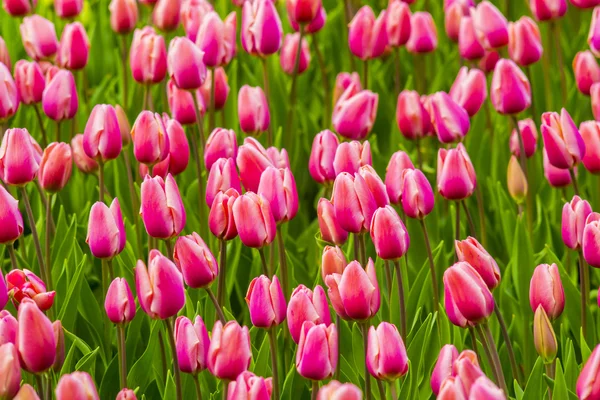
x: 467, y: 369
x: 510, y: 91
x: 126, y: 394
x: 77, y: 385
x: 39, y: 37
x: 454, y: 13
x: 316, y: 357
x: 222, y: 176
x: 450, y: 120
x: 333, y: 261
x: 10, y: 371
x: 443, y: 367
x: 585, y: 3
x: 456, y: 178
x: 192, y: 343
x: 529, y: 135
x: 413, y: 119
x: 261, y: 29
x: 545, y: 10
x: 18, y: 8
x: 221, y: 88
x: 354, y: 113
x: 29, y: 81
x: 322, y: 155
x: 587, y: 71
x: 423, y: 33
x: 106, y: 231
x: 213, y: 41
x: 590, y: 133
x: 9, y: 94
x: 254, y: 220
x: 124, y: 126
x: 11, y: 219
x: 488, y: 63
x: 266, y: 302
x: 68, y: 8
x: 389, y: 234
x: 192, y: 13
x: 343, y: 81
x: 35, y: 340
x: 544, y: 338
x: 386, y: 355
x: 491, y: 26
x: 516, y: 181
x: 587, y: 383
x: 19, y: 159
x: 119, y: 303
x: 525, y: 42
x: 252, y: 160
x: 367, y: 35
x: 562, y: 140
x: 354, y: 294
x: 24, y: 284
x: 102, y: 139
x: 253, y: 110
x: 162, y: 208
x: 229, y: 353
x: 467, y: 299
x: 84, y: 163
x: 166, y: 15
x: 4, y: 55
x: 123, y: 15
x: 181, y: 104
x: 148, y: 56
x: 397, y: 23
x: 303, y: 11
x: 279, y: 158
x: 556, y: 177
x: 221, y: 143
x: 55, y: 167
x: 306, y: 305
x: 59, y: 99
x: 331, y: 230
x: 8, y: 324
x: 179, y: 149
x: 591, y: 240
x: 574, y: 216
x: 185, y: 64
x: 74, y: 47
x: 469, y: 46
x: 472, y: 252
x: 314, y: 26
x: 469, y: 89
x: 195, y: 260
x: 220, y: 218
x: 357, y: 197
x: 150, y: 139
x: 335, y: 390
x: 394, y: 176
x: 289, y: 49
x: 278, y: 186
x: 417, y: 194
x: 350, y: 156
x: 484, y: 388
x: 452, y: 388
x: 249, y: 386
x: 546, y: 289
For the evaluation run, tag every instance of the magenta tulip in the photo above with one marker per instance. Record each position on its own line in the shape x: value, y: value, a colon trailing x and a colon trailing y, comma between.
x: 19, y: 157
x: 450, y: 120
x: 77, y: 385
x: 562, y: 140
x: 220, y: 219
x: 39, y: 37
x: 316, y: 357
x: 386, y: 355
x: 195, y: 261
x: 30, y: 82
x: 252, y: 160
x: 491, y: 26
x: 472, y: 252
x: 322, y: 155
x: 161, y: 208
x: 253, y: 110
x: 106, y: 231
x: 74, y: 48
x: 307, y: 305
x: 525, y: 41
x: 394, y: 176
x: 469, y: 46
x: 354, y: 113
x: 367, y: 35
x: 413, y: 119
x: 388, y: 233
x: 417, y: 195
x: 510, y: 91
x: 123, y: 15
x: 150, y: 139
x: 423, y: 33
x: 278, y: 186
x: 397, y: 24
x: 59, y: 99
x: 335, y: 390
x: 354, y: 294
x: 35, y: 339
x: 289, y: 49
x: 11, y: 219
x: 266, y: 302
x: 192, y: 343
x: 545, y: 10
x: 443, y: 367
x: 456, y: 178
x: 590, y: 133
x: 102, y: 136
x: 546, y: 290
x: 574, y: 216
x: 254, y: 220
x: 148, y: 56
x: 350, y: 156
x: 249, y: 386
x: 84, y: 163
x: 119, y: 303
x: 469, y: 89
x: 10, y: 371
x: 229, y: 353
x: 166, y: 14
x: 587, y: 71
x: 331, y: 230
x: 221, y: 143
x: 529, y: 135
x: 261, y: 30
x: 185, y: 64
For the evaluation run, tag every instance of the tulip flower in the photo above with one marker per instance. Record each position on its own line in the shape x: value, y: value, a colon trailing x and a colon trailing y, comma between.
x: 183, y: 105
x: 126, y: 394
x: 417, y: 194
x: 322, y: 155
x: 525, y: 42
x: 546, y: 289
x: 587, y: 383
x: 185, y: 64
x: 195, y: 261
x: 354, y: 294
x: 229, y: 353
x: 253, y: 110
x: 106, y: 231
x: 335, y: 390
x: 220, y: 219
x: 9, y: 93
x: 249, y: 386
x: 39, y: 37
x: 389, y: 234
x: 469, y: 46
x: 261, y: 30
x: 11, y: 219
x: 68, y: 8
x: 529, y: 136
x: 254, y: 220
x: 215, y: 39
x: 222, y: 176
x: 102, y: 138
x: 591, y: 239
x: 452, y: 388
x: 221, y: 143
x: 307, y: 305
x: 350, y: 156
x: 443, y: 367
x: 148, y: 56
x: 166, y: 14
x: 354, y: 204
x: 545, y: 10
x: 367, y: 35
x: 84, y: 163
x: 472, y: 252
x: 343, y: 81
x: 574, y: 216
x: 150, y: 139
x: 450, y: 120
x: 77, y: 385
x: 491, y: 26
x: 469, y: 89
x: 585, y: 3
x: 221, y: 88
x: 192, y: 343
x: 556, y: 177
x: 8, y: 324
x: 314, y: 25
x: 454, y: 12
x: 562, y: 140
x: 74, y: 47
x: 266, y: 302
x: 179, y: 149
x: 333, y: 260
x: 594, y: 34
x: 317, y: 354
x: 590, y: 133
x: 587, y: 71
x: 252, y: 160
x: 18, y: 8
x: 303, y: 11
x: 413, y: 119
x: 456, y: 178
x: 59, y: 99
x: 544, y: 338
x: 484, y: 388
x: 423, y: 33
x: 192, y: 13
x: 279, y: 189
x: 119, y: 303
x: 386, y: 355
x: 510, y: 91
x: 289, y: 49
x: 516, y: 181
x: 394, y: 176
x: 55, y: 167
x: 35, y: 339
x: 397, y: 23
x: 467, y: 299
x: 488, y: 63
x: 19, y: 159
x: 123, y: 15
x: 331, y: 230
x: 29, y: 81
x: 10, y: 371
x: 279, y: 158
x: 59, y: 334
x: 467, y: 369
x: 161, y: 207
x: 354, y: 113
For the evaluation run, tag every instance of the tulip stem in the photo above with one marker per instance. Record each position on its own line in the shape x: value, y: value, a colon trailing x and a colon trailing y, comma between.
x: 356, y: 243
x: 381, y: 389
x: 363, y: 249
x: 324, y: 81
x: 197, y: 386
x: 469, y: 219
x: 419, y: 153
x: 434, y: 282
x: 529, y: 78
x: 283, y: 262
x: 122, y: 355
x: 550, y: 372
x: 401, y: 299
x: 523, y: 162
x: 198, y: 162
x: 134, y: 201
x: 457, y: 233
x: 398, y: 68
x: 365, y: 333
x: 555, y: 28
x: 495, y: 358
x: 274, y: 351
x: 509, y: 348
x: 480, y: 210
x: 263, y: 260
x: 365, y: 74
x: 225, y: 389
x: 574, y: 179
x: 584, y: 287
x: 293, y: 97
x: 388, y: 278
x: 124, y: 65
x: 57, y: 131
x: 47, y: 232
x: 222, y: 271
x: 169, y: 246
x: 40, y: 384
x: 176, y: 374
x: 163, y: 353
x: 41, y: 122
x: 213, y: 89
x: 315, y: 390
x: 11, y: 252
x: 474, y: 341
x: 36, y: 239
x: 267, y: 95
x: 338, y: 322
x: 101, y: 181
x: 217, y: 305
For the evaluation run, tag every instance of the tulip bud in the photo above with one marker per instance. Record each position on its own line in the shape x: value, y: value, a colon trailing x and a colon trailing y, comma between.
x: 335, y: 390
x: 525, y: 42
x: 417, y: 194
x: 289, y: 49
x: 18, y: 8
x: 162, y: 208
x: 229, y: 353
x: 488, y: 63
x: 253, y: 110
x: 19, y: 159
x: 467, y: 299
x: 322, y: 155
x: 59, y: 334
x: 590, y: 133
x: 249, y: 386
x: 266, y: 302
x: 252, y: 160
x: 29, y: 81
x: 456, y: 178
x: 394, y: 176
x: 472, y: 252
x: 544, y: 338
x: 303, y: 11
x: 314, y: 26
x: 55, y: 167
x: 316, y: 357
x: 354, y: 204
x: 587, y: 383
x: 350, y: 156
x: 331, y: 231
x: 545, y: 10
x: 192, y: 342
x: 585, y: 3
x: 484, y: 388
x: 452, y: 388
x: 467, y: 369
x: 86, y: 164
x: 68, y: 8
x: 423, y: 33
x: 443, y: 367
x: 546, y: 289
x: 35, y: 340
x: 185, y: 64
x: 126, y: 394
x: 10, y: 371
x: 469, y: 89
x: 148, y: 56
x: 8, y: 323
x: 510, y: 91
x: 106, y: 231
x: 397, y: 23
x: 587, y: 71
x: 516, y: 181
x: 469, y: 46
x: 222, y: 176
x: 119, y: 303
x: 11, y: 220
x: 343, y: 81
x: 221, y: 143
x: 150, y: 139
x: 574, y: 216
x: 306, y: 305
x: 159, y: 287
x: 39, y: 37
x: 562, y: 140
x: 166, y: 15
x: 413, y: 119
x: 74, y: 47
x: 279, y: 189
x: 591, y: 238
x: 354, y: 113
x: 333, y: 261
x: 220, y: 219
x: 491, y: 26
x: 354, y: 294
x: 386, y: 355
x: 594, y: 35
x: 123, y: 15
x: 556, y: 177
x: 279, y: 158
x: 389, y: 234
x: 367, y: 36
x: 221, y: 88
x: 213, y: 40
x: 254, y: 220
x: 77, y: 385
x: 261, y: 29
x: 195, y: 260
x: 59, y: 99
x: 182, y: 105
x: 192, y: 13
x: 529, y: 137
x: 454, y: 12
x: 450, y: 120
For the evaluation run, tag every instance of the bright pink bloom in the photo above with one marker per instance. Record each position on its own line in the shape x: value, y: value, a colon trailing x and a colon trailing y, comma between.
x: 222, y: 176
x: 343, y: 81
x: 472, y: 252
x: 466, y: 368
x: 367, y: 35
x: 162, y: 208
x: 562, y: 140
x: 150, y: 139
x: 331, y: 231
x: 261, y: 30
x: 556, y: 177
x: 74, y: 48
x: 454, y: 12
x: 307, y: 305
x: 588, y: 384
x: 195, y: 261
x: 55, y: 167
x: 166, y: 15
x: 192, y: 13
x: 322, y: 155
x: 266, y: 302
x: 8, y: 324
x: 102, y: 136
x: 278, y: 186
x: 119, y: 303
x: 469, y: 89
x: 591, y: 240
x: 192, y: 343
x: 303, y: 11
x: 221, y: 143
x: 443, y: 367
x: 252, y: 160
x: 39, y: 37
x: 35, y: 339
x: 248, y: 386
x: 574, y: 216
x: 590, y: 133
x: 389, y: 234
x: 185, y: 64
x: 413, y: 119
x: 529, y: 136
x: 450, y: 120
x: 19, y: 157
x: 452, y: 389
x: 316, y: 357
x: 60, y: 100
x: 77, y: 385
x: 545, y: 10
x: 354, y: 113
x: 587, y: 71
x: 417, y: 194
x: 17, y: 8
x: 525, y: 41
x: 10, y: 371
x: 510, y: 91
x: 84, y: 163
x: 4, y: 55
x: 123, y: 15
x: 29, y: 81
x: 68, y: 8
x: 423, y: 33
x: 253, y: 110
x: 289, y: 49
x: 469, y: 46
x: 394, y: 176
x: 491, y: 26
x: 397, y: 23
x: 546, y: 290
x: 11, y: 219
x: 585, y: 3
x: 354, y: 294
x: 489, y: 61
x: 594, y: 35
x: 335, y: 390
x: 24, y: 284
x: 221, y: 88
x: 216, y: 39
x: 354, y: 204
x: 484, y: 388
x: 456, y: 177
x: 386, y: 354
x: 350, y: 156
x: 106, y: 231
x: 230, y: 352
x: 181, y: 103
x: 148, y: 56
x: 179, y: 148
x: 220, y: 219
x: 254, y: 220
x: 314, y: 26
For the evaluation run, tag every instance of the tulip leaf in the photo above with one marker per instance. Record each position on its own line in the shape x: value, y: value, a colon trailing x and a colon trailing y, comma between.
x: 138, y: 373
x: 170, y: 389
x: 87, y: 362
x: 535, y: 387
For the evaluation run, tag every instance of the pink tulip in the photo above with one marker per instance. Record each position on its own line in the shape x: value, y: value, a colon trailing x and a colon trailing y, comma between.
x: 148, y: 56
x: 562, y: 140
x: 77, y: 385
x: 39, y: 37
x: 472, y: 252
x: 467, y: 299
x: 469, y: 89
x: 331, y: 230
x: 333, y: 260
x: 84, y: 163
x: 179, y: 149
x: 545, y: 10
x: 220, y: 219
x: 159, y: 287
x: 222, y: 176
x: 55, y: 167
x: 488, y: 63
x: 185, y: 64
x: 525, y: 42
x: 249, y: 386
x: 162, y: 208
x: 19, y: 157
x: 253, y: 110
x: 254, y: 220
x: 450, y: 121
x: 590, y: 133
x: 354, y: 294
x: 398, y: 25
x: 4, y: 55
x: 261, y: 30
x: 181, y: 104
x: 266, y: 302
x: 367, y: 35
x: 314, y: 26
x: 8, y: 326
x: 343, y: 81
x: 10, y: 371
x: 307, y: 305
x: 123, y: 15
x: 221, y: 88
x: 30, y: 82
x: 59, y: 99
x: 322, y: 155
x: 491, y: 26
x: 389, y: 234
x: 484, y: 388
x: 386, y: 355
x: 529, y: 135
x: 546, y: 289
x: 195, y: 260
x: 119, y: 303
x: 443, y: 367
x: 150, y: 139
x: 454, y: 12
x: 166, y: 15
x: 413, y: 119
x: 556, y: 177
x: 229, y: 353
x: 18, y: 8
x: 591, y: 240
x: 3, y: 302
x: 24, y: 284
x: 452, y: 388
x: 587, y: 71
x: 192, y: 343
x: 335, y: 390
x: 510, y: 91
x: 216, y: 38
x: 68, y: 8
x: 469, y: 46
x: 417, y: 194
x: 279, y: 158
x: 585, y: 3
x: 303, y: 11
x: 10, y: 219
x: 126, y: 394
x: 587, y: 383
x: 350, y: 156
x: 278, y: 186
x: 252, y: 160
x: 35, y: 339
x: 192, y: 13
x: 394, y: 176
x: 221, y: 143
x: 124, y: 126
x: 354, y: 113
x: 467, y: 369
x: 353, y: 202
x: 289, y: 49
x: 594, y: 34
x: 106, y: 231
x: 574, y: 216
x: 102, y: 138
x: 423, y: 33
x: 316, y: 357
x: 74, y: 47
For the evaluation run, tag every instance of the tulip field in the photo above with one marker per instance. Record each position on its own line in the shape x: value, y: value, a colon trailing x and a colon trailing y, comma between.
x: 300, y: 199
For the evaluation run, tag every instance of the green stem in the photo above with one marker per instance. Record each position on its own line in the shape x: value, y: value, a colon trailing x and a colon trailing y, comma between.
x: 474, y: 341
x: 124, y: 67
x: 533, y: 98
x: 398, y: 72
x: 13, y: 257
x: 546, y: 59
x: 469, y: 219
x: 36, y: 239
x: 225, y: 389
x: 480, y: 210
x: 584, y: 289
x: 381, y: 389
x: 47, y: 233
x: 169, y: 246
x: 218, y: 308
x: 283, y: 263
x: 122, y: 356
x: 57, y: 131
x: 347, y: 18
x: 457, y: 233
x: 356, y: 243
x: 365, y: 74
x: 365, y: 333
x: 274, y: 351
x: 111, y: 271
x: 315, y: 390
x: 134, y: 201
x: 363, y: 249
x: 267, y: 95
x: 523, y: 162
x: 41, y: 123
x: 176, y: 373
x: 211, y: 116
x: 145, y: 99
x: 324, y: 81
x: 293, y: 97
x: 419, y: 153
x: 555, y: 28
x: 222, y: 271
x: 107, y: 322
x: 509, y: 348
x: 101, y: 181
x: 197, y: 386
x: 489, y: 339
x: 403, y: 330
x: 574, y: 180
x: 434, y: 282
x: 199, y: 163
x: 163, y: 354
x: 388, y: 278
x: 550, y: 371
x: 263, y: 260
x: 40, y: 386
